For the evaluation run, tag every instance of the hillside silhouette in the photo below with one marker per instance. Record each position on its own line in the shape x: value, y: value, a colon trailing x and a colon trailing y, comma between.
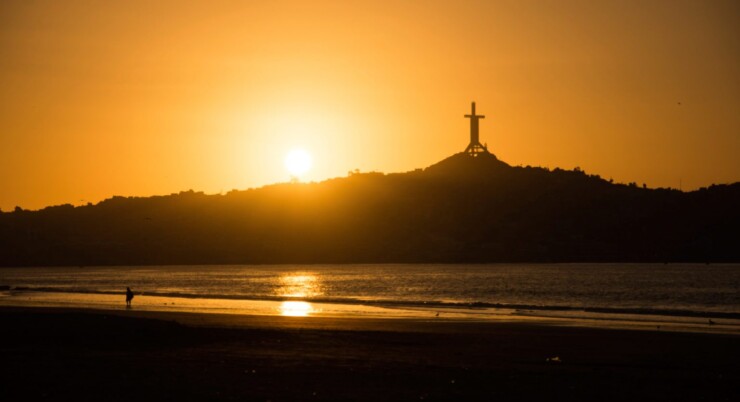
x: 462, y: 209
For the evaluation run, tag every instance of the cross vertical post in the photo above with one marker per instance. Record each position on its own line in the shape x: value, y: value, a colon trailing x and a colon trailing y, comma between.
x: 474, y: 147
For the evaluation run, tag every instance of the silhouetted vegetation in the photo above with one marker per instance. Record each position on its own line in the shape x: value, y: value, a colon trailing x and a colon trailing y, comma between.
x: 462, y: 209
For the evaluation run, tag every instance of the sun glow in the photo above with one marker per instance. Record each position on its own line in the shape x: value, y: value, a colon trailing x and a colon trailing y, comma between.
x: 298, y: 162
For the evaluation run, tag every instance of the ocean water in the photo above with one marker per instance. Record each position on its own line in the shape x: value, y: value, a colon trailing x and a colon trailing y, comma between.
x: 669, y: 290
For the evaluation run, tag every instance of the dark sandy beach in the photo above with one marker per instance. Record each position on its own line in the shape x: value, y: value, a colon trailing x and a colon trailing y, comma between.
x: 62, y: 354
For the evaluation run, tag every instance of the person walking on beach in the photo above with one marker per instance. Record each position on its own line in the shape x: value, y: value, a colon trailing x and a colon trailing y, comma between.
x: 129, y: 296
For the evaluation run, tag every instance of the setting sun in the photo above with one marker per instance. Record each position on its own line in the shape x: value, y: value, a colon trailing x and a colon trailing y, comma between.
x: 298, y: 162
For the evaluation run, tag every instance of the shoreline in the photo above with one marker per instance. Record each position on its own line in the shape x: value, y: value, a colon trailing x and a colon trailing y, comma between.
x: 239, y: 321
x: 87, y: 354
x: 370, y: 311
x: 399, y: 304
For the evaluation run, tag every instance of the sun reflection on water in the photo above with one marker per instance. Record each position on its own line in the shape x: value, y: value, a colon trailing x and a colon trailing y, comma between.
x: 299, y: 285
x: 296, y: 309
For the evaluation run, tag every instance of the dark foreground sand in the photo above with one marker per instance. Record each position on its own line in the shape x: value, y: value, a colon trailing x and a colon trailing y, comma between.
x: 60, y: 354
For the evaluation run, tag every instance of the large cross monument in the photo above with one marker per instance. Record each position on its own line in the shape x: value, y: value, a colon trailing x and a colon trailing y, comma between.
x: 475, y: 148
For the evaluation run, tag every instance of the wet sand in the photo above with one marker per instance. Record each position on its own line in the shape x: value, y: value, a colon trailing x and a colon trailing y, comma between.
x: 77, y: 354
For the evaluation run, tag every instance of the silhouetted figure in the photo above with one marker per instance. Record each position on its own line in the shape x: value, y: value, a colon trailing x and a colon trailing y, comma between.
x: 129, y: 296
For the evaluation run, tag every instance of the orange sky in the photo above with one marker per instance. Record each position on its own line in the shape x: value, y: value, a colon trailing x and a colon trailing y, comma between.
x: 154, y: 97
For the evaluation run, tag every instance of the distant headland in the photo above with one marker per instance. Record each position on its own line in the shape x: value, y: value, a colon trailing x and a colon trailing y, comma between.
x: 462, y: 209
x: 468, y: 208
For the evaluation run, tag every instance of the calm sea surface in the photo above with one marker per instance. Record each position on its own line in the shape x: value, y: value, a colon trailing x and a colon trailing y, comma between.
x: 673, y: 289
